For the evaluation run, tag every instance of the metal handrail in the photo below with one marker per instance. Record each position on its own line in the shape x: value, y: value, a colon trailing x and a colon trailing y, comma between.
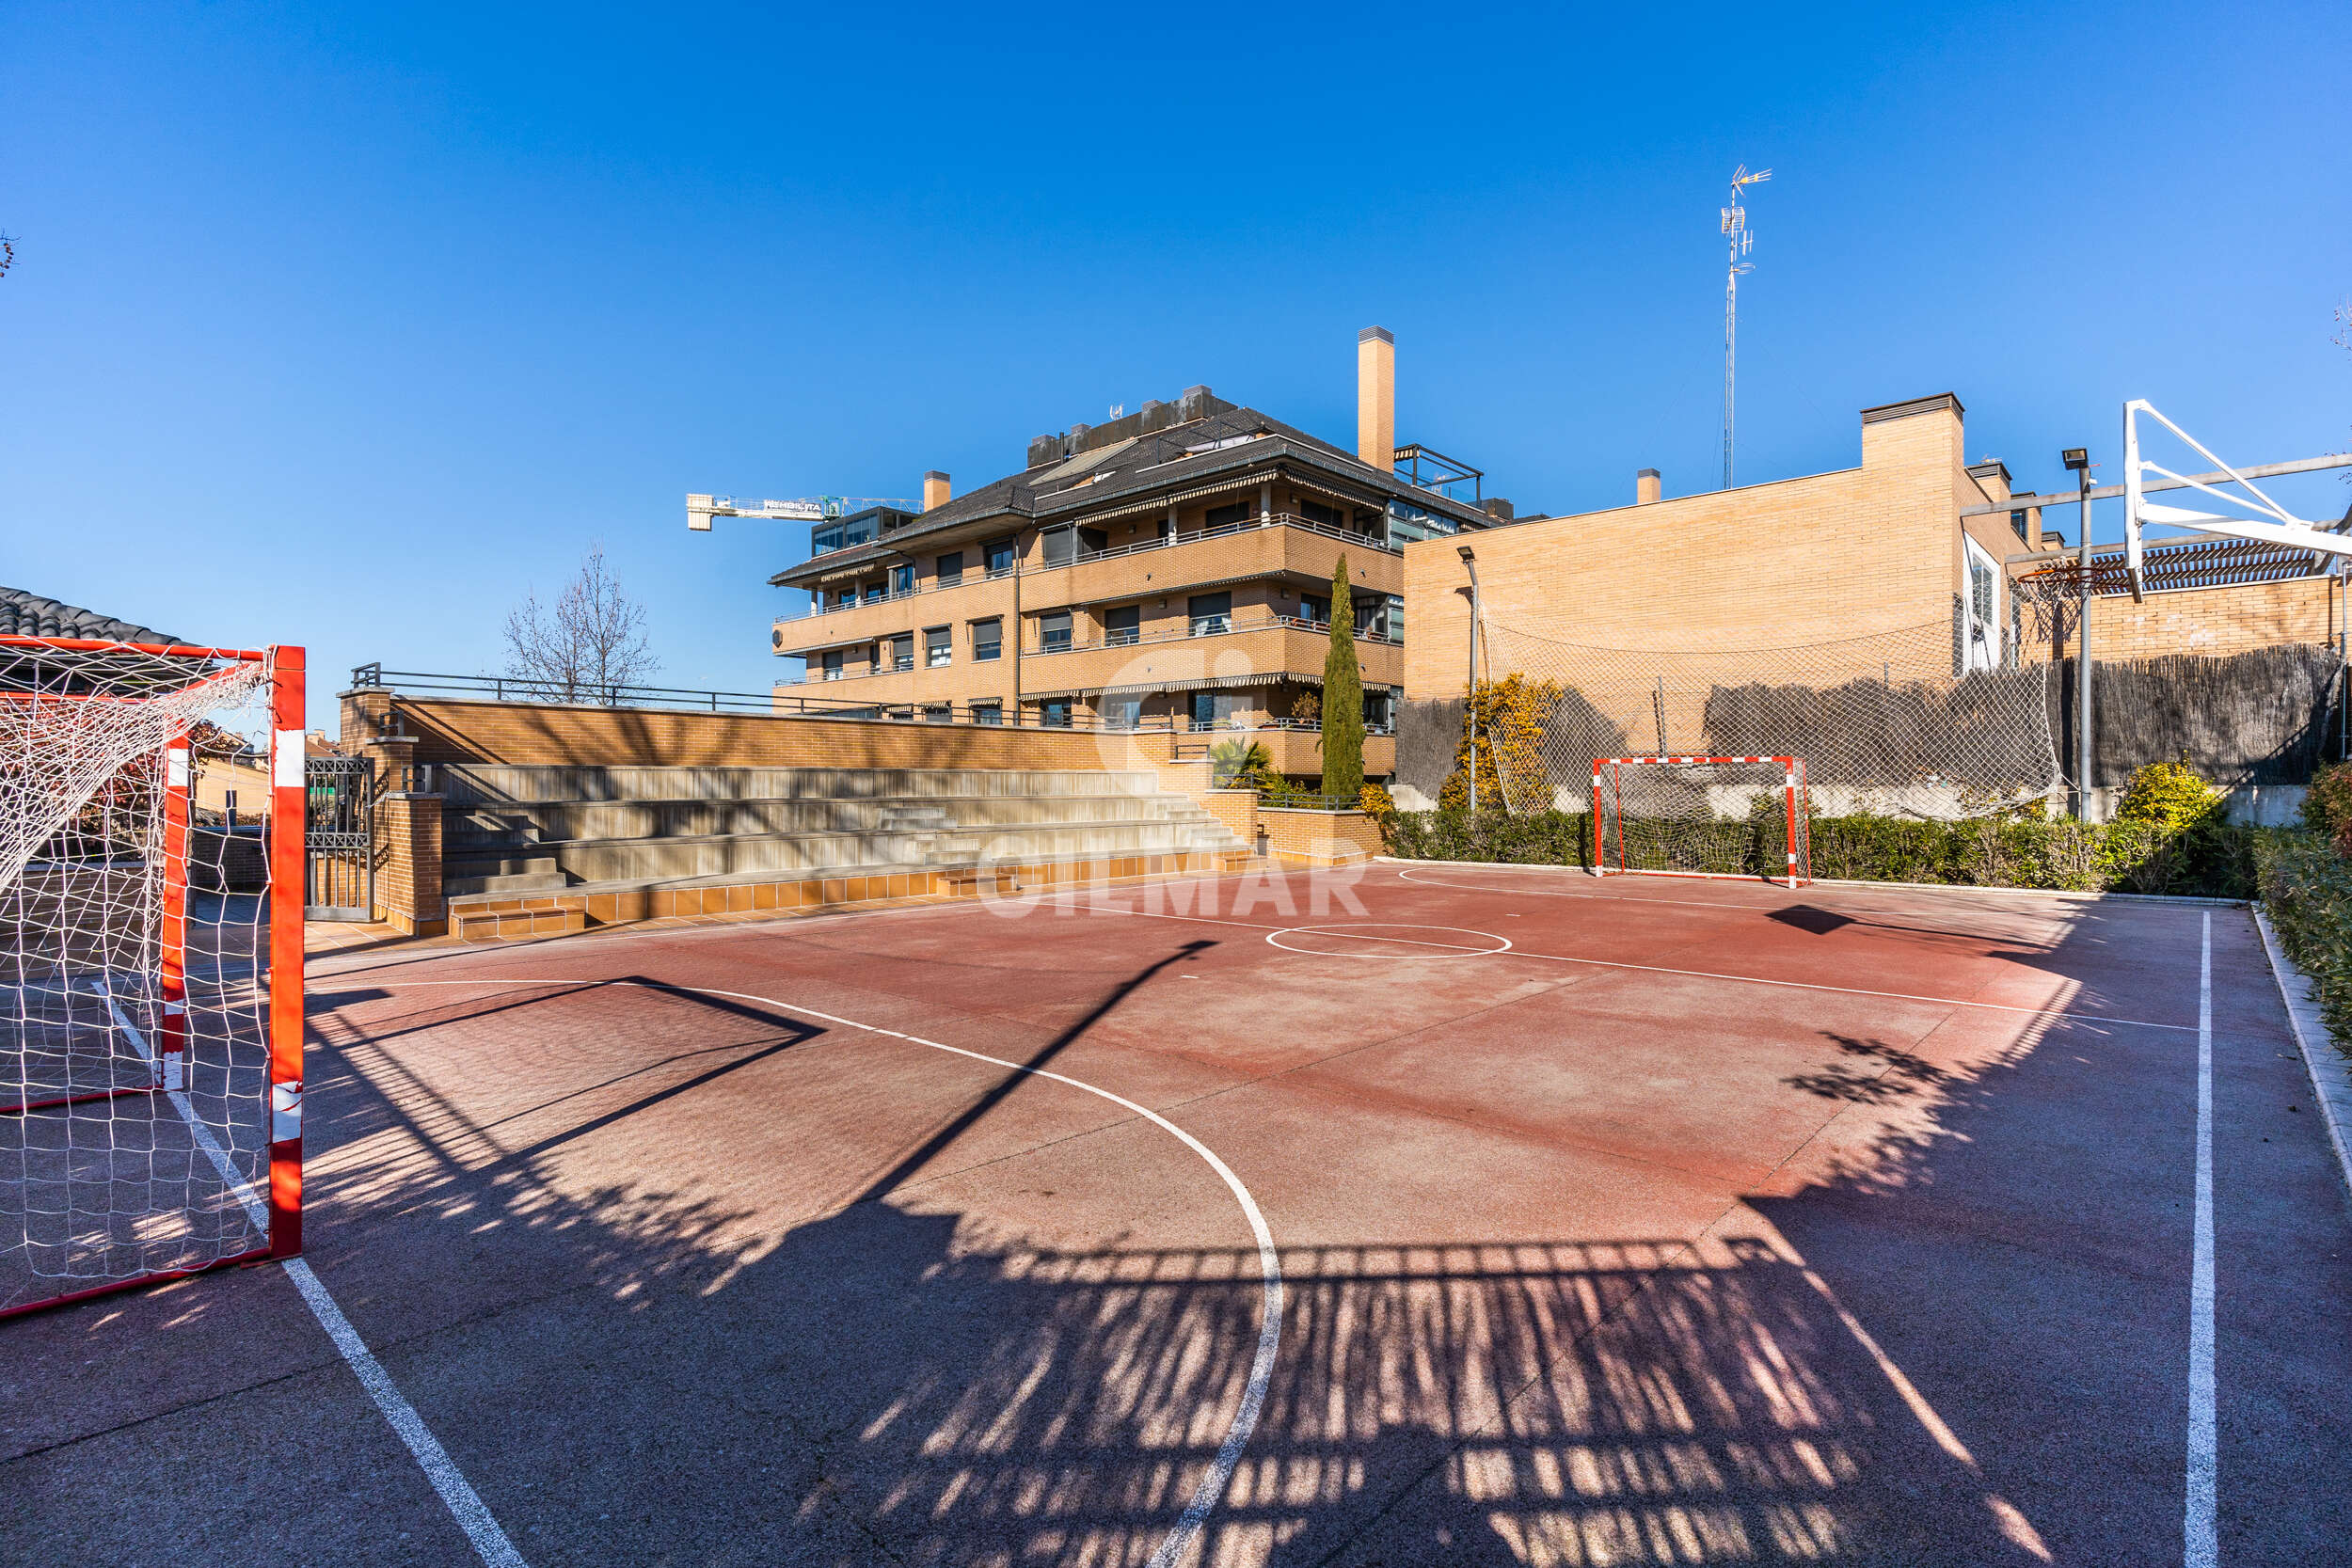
x: 1081, y: 557
x: 509, y: 689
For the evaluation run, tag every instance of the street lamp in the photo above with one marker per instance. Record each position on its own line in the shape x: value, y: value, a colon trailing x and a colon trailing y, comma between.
x: 1470, y: 561
x: 2077, y: 460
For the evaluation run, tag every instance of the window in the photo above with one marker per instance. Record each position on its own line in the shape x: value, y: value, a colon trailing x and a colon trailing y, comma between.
x: 951, y: 569
x: 1054, y: 630
x: 825, y: 540
x: 902, y: 652
x: 1055, y: 713
x: 1211, y: 613
x: 1168, y: 530
x: 1380, y: 615
x: 1406, y: 522
x: 830, y: 666
x: 1315, y: 609
x: 1231, y: 516
x: 1983, y: 649
x: 845, y: 598
x: 1063, y: 545
x: 1315, y: 512
x: 1211, y: 709
x: 988, y: 639
x: 1123, y: 626
x: 936, y: 713
x: 1122, y: 713
x: 988, y: 713
x: 874, y: 591
x: 902, y: 579
x: 997, y: 553
x: 936, y: 648
x: 2017, y: 525
x: 1378, y: 710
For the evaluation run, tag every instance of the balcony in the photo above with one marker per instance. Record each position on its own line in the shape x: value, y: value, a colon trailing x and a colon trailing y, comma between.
x: 1268, y: 544
x: 1176, y: 660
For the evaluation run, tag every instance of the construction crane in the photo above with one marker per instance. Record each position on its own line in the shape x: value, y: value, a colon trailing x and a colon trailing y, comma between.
x: 807, y: 509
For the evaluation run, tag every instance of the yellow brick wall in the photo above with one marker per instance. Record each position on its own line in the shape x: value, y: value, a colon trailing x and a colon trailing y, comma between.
x: 1813, y: 559
x: 1319, y: 837
x: 408, y: 864
x: 2213, y: 621
x: 520, y: 733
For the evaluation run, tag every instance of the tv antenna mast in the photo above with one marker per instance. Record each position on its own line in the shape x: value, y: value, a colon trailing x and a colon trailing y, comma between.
x: 1739, y: 240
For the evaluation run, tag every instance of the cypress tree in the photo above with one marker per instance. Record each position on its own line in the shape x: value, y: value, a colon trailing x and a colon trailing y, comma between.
x: 1342, y: 698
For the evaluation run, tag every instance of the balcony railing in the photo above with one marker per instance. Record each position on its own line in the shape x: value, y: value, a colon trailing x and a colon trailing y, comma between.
x: 1081, y: 557
x: 1211, y: 626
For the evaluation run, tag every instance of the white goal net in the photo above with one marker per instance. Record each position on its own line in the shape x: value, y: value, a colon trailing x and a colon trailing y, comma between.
x: 136, y: 1030
x: 1703, y: 817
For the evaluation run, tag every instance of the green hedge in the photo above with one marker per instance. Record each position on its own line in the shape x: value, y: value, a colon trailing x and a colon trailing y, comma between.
x: 2307, y: 892
x: 2211, y: 860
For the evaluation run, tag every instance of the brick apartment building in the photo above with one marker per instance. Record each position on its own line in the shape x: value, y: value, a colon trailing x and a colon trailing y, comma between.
x: 1169, y: 569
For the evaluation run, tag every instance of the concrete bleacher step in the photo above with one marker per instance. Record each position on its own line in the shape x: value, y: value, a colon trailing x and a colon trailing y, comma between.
x: 512, y: 830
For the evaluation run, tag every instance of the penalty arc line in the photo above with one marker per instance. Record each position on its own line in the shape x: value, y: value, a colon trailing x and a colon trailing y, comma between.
x: 449, y: 1482
x: 1212, y: 1488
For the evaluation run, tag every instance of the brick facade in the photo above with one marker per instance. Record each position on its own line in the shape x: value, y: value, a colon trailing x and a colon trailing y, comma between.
x: 408, y: 864
x: 1819, y: 558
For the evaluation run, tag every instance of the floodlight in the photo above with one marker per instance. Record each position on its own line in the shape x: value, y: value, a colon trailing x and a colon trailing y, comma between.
x: 2075, y: 458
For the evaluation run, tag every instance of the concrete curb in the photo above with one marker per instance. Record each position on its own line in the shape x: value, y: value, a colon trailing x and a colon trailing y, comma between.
x: 1905, y: 887
x: 2330, y: 1070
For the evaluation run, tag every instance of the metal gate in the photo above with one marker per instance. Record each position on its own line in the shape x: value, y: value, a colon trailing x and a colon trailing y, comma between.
x: 338, y: 838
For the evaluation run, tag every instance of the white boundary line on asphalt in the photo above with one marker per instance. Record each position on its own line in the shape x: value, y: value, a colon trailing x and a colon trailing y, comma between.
x: 2199, y: 1547
x: 1212, y: 1488
x: 465, y: 1504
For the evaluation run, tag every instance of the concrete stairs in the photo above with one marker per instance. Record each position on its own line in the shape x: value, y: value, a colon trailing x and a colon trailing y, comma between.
x: 512, y: 830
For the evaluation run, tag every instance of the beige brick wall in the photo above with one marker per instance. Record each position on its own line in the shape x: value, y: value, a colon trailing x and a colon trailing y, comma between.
x: 2213, y: 621
x: 408, y: 864
x: 1319, y: 837
x: 1811, y: 560
x: 524, y: 732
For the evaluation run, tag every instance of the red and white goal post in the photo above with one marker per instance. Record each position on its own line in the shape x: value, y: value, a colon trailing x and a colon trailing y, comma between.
x: 1703, y: 817
x: 150, y: 963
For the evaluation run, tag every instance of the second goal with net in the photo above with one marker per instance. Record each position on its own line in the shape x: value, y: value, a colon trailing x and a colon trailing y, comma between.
x: 1703, y: 817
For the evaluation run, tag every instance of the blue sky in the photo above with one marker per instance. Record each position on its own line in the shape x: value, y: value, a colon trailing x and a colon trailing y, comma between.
x: 341, y: 325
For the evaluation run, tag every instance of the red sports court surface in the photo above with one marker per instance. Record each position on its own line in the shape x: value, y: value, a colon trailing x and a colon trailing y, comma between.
x: 1705, y: 1222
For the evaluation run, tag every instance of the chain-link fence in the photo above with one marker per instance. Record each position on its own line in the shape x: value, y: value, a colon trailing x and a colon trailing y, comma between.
x: 1892, y: 723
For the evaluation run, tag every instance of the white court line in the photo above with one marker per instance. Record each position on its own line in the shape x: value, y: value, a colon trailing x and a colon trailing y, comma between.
x: 1212, y: 1488
x: 1657, y: 969
x: 2200, y: 1540
x: 463, y: 1503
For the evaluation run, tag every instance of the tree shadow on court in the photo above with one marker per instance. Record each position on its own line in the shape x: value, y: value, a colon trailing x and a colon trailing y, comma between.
x: 672, y: 1375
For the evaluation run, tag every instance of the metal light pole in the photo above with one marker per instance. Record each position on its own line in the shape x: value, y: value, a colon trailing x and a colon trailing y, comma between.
x: 1470, y: 561
x: 2078, y: 459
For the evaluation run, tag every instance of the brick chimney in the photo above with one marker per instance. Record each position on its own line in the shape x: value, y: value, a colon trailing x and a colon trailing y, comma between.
x: 1376, y: 397
x: 935, y: 490
x: 1647, y: 488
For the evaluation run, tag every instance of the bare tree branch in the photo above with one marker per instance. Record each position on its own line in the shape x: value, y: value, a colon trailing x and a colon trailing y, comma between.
x: 589, y: 645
